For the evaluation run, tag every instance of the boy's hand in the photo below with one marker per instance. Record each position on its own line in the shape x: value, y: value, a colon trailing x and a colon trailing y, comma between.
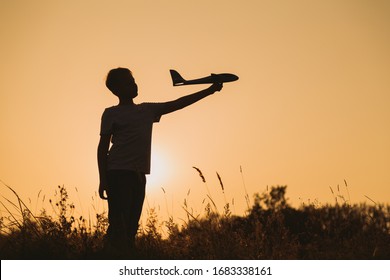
x: 102, y: 189
x: 216, y: 87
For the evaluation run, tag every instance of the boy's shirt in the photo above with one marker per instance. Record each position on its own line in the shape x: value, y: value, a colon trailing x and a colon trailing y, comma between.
x: 131, y: 130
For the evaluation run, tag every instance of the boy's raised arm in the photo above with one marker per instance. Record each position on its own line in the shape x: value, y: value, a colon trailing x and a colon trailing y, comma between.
x: 187, y: 100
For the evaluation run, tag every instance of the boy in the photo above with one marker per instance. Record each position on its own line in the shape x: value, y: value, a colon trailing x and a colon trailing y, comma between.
x: 122, y: 168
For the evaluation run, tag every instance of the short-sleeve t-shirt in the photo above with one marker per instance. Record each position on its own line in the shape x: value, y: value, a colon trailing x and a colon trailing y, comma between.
x: 131, y: 130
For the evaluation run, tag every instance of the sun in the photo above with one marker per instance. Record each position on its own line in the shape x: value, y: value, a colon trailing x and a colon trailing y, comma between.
x: 160, y: 170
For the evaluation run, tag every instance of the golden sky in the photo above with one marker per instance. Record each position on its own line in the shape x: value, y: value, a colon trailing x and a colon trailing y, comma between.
x: 311, y: 108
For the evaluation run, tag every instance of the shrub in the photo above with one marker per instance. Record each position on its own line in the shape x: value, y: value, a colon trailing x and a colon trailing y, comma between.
x: 271, y: 229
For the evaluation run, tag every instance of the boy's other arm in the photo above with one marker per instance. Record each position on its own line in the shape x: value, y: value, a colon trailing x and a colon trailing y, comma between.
x: 103, y: 146
x: 187, y: 100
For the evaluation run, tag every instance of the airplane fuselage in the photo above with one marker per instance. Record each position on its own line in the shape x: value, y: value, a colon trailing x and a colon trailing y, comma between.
x: 178, y: 80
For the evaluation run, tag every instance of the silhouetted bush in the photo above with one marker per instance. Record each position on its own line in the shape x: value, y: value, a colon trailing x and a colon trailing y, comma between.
x: 271, y: 229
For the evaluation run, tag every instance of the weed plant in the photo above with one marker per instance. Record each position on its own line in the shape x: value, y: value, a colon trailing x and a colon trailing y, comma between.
x: 271, y: 229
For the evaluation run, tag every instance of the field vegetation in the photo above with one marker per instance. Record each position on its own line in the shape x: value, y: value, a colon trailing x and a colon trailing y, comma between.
x: 270, y: 229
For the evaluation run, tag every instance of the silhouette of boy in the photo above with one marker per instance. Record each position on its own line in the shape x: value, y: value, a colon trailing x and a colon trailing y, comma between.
x: 122, y: 168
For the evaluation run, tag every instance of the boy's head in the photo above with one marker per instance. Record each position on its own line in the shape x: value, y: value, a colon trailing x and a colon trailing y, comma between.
x: 120, y: 82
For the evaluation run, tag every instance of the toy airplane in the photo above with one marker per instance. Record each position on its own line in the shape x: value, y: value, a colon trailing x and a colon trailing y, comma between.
x: 178, y: 80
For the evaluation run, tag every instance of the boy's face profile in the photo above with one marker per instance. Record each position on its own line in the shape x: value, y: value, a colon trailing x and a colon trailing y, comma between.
x: 127, y: 87
x: 121, y: 82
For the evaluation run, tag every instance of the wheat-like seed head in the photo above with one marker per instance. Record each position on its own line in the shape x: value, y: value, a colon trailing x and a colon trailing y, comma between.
x: 220, y: 182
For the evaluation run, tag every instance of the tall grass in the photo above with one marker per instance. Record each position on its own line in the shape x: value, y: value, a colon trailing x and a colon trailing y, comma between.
x: 270, y: 229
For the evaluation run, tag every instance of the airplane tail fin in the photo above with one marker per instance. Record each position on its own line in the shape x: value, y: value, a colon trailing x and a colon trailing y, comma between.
x: 177, y: 79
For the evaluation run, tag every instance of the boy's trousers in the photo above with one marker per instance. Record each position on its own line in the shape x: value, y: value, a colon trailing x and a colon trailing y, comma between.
x: 126, y: 194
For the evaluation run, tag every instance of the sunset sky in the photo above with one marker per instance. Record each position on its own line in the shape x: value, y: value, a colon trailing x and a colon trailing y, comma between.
x: 310, y: 110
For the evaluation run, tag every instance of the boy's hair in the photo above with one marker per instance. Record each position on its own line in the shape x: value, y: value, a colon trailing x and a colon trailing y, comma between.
x: 114, y: 78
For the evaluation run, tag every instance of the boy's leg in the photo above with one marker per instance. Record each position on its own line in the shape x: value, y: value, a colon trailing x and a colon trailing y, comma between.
x: 126, y: 195
x: 117, y: 197
x: 134, y: 209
